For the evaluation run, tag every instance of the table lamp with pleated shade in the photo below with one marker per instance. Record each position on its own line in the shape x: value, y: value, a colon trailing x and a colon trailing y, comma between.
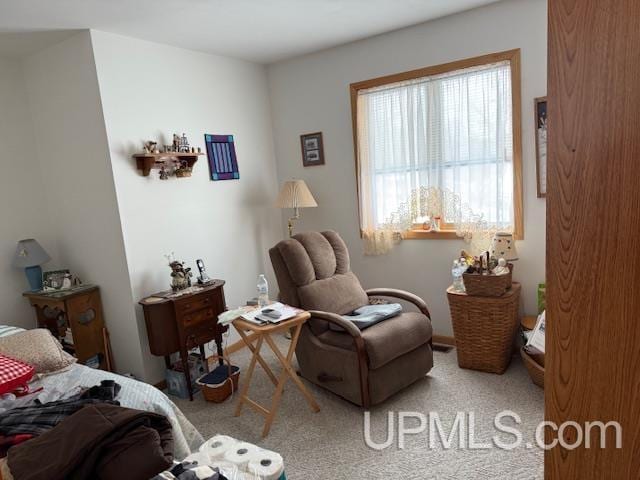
x: 503, y: 246
x: 295, y: 194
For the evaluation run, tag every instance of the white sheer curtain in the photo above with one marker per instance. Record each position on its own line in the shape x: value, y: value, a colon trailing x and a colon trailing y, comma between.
x: 451, y: 132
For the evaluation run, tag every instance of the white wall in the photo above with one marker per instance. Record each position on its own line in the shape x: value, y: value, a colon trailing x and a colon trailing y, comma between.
x: 150, y: 91
x: 23, y: 203
x: 311, y: 93
x: 71, y: 145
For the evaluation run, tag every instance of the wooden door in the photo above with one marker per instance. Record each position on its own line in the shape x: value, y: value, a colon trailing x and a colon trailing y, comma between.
x: 593, y: 233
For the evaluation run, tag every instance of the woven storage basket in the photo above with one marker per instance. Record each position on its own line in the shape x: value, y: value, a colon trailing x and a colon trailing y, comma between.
x: 536, y: 372
x: 487, y: 285
x: 484, y: 329
x: 218, y: 393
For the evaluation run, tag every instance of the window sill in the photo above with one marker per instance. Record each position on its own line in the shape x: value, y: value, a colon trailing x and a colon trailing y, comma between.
x: 429, y: 235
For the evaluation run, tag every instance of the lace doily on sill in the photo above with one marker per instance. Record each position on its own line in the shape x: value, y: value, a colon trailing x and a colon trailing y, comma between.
x: 431, y: 202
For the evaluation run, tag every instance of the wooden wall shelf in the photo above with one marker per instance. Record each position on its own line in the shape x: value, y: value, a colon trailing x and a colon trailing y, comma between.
x: 146, y: 161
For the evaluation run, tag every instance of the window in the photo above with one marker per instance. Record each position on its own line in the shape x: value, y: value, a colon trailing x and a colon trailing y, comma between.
x: 454, y: 127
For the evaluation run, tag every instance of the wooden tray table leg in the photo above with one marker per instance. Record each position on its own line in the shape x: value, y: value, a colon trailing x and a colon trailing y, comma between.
x: 248, y: 340
x: 288, y: 369
x: 247, y: 382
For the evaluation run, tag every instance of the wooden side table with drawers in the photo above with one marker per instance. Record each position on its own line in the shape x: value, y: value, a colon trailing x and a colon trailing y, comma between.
x: 180, y: 323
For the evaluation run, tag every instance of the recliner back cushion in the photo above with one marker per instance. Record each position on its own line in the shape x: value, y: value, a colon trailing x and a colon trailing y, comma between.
x: 339, y: 294
x: 317, y: 266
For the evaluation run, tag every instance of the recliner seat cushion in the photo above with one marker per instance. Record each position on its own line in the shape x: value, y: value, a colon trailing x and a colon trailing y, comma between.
x: 386, y: 340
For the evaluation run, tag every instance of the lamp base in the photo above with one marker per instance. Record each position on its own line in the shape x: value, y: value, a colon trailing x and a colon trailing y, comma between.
x: 296, y: 216
x: 34, y: 276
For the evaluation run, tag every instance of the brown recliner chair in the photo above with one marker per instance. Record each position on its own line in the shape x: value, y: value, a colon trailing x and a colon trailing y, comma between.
x: 365, y: 367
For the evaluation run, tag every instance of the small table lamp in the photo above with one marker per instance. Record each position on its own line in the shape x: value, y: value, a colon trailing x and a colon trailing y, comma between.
x: 503, y: 246
x: 30, y: 255
x: 295, y: 194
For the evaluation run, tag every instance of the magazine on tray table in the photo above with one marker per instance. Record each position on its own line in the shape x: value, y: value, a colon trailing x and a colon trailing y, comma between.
x: 279, y: 312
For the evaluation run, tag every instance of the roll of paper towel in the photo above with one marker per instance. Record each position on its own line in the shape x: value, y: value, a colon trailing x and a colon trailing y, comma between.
x: 240, y: 454
x: 265, y: 465
x: 228, y: 469
x: 217, y: 446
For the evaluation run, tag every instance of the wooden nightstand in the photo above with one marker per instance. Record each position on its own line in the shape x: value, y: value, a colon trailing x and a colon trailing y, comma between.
x: 178, y: 324
x: 79, y: 311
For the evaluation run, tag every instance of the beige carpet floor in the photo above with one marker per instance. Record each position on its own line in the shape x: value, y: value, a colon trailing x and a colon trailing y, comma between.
x: 330, y: 444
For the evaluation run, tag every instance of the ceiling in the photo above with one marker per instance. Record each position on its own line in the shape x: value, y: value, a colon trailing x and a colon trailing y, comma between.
x: 262, y: 31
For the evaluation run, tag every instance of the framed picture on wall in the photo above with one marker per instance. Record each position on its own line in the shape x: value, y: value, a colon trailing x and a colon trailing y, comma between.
x: 540, y: 109
x: 312, y: 149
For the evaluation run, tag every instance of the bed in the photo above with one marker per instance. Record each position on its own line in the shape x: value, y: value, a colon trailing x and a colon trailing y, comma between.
x: 134, y: 394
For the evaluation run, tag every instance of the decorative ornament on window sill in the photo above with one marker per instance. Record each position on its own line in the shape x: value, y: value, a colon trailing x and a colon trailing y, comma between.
x: 432, y: 202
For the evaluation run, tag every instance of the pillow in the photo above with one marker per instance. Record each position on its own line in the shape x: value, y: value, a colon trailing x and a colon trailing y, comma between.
x: 38, y: 348
x: 6, y: 330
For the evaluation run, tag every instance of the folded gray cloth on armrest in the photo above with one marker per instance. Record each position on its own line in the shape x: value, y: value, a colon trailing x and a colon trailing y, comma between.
x: 369, y: 315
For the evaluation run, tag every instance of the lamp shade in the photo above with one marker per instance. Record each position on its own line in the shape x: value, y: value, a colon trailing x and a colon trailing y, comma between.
x: 29, y: 253
x: 295, y: 194
x: 503, y: 246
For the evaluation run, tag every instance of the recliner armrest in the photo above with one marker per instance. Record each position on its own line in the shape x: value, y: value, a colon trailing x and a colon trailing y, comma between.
x: 337, y: 320
x: 401, y: 294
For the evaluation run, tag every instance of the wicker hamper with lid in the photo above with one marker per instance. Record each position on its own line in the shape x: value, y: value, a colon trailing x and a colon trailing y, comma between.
x: 484, y: 329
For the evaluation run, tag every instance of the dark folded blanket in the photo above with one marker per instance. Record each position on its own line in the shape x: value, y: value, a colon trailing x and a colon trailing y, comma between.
x: 99, y: 441
x: 37, y: 419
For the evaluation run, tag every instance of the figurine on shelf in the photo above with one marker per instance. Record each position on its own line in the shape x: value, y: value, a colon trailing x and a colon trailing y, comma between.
x: 180, y: 276
x: 175, y: 147
x: 502, y: 268
x: 164, y: 174
x: 183, y: 145
x: 150, y: 147
x: 183, y: 170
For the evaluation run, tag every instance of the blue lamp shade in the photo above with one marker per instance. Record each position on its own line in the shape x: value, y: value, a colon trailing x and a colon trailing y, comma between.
x: 30, y: 255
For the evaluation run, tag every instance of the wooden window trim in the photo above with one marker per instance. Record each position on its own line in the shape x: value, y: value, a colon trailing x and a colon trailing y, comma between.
x: 513, y: 57
x: 419, y: 234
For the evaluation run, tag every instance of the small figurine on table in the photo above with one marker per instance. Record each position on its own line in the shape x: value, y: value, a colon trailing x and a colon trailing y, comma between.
x: 180, y: 276
x: 502, y: 268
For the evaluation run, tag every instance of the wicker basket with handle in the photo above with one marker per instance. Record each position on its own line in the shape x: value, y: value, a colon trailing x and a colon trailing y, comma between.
x: 219, y: 392
x: 484, y: 329
x: 536, y: 371
x: 489, y: 285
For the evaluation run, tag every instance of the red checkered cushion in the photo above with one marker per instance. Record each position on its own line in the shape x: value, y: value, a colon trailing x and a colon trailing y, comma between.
x: 14, y: 374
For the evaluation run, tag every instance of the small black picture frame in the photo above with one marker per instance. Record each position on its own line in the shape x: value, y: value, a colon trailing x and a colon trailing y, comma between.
x: 312, y: 149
